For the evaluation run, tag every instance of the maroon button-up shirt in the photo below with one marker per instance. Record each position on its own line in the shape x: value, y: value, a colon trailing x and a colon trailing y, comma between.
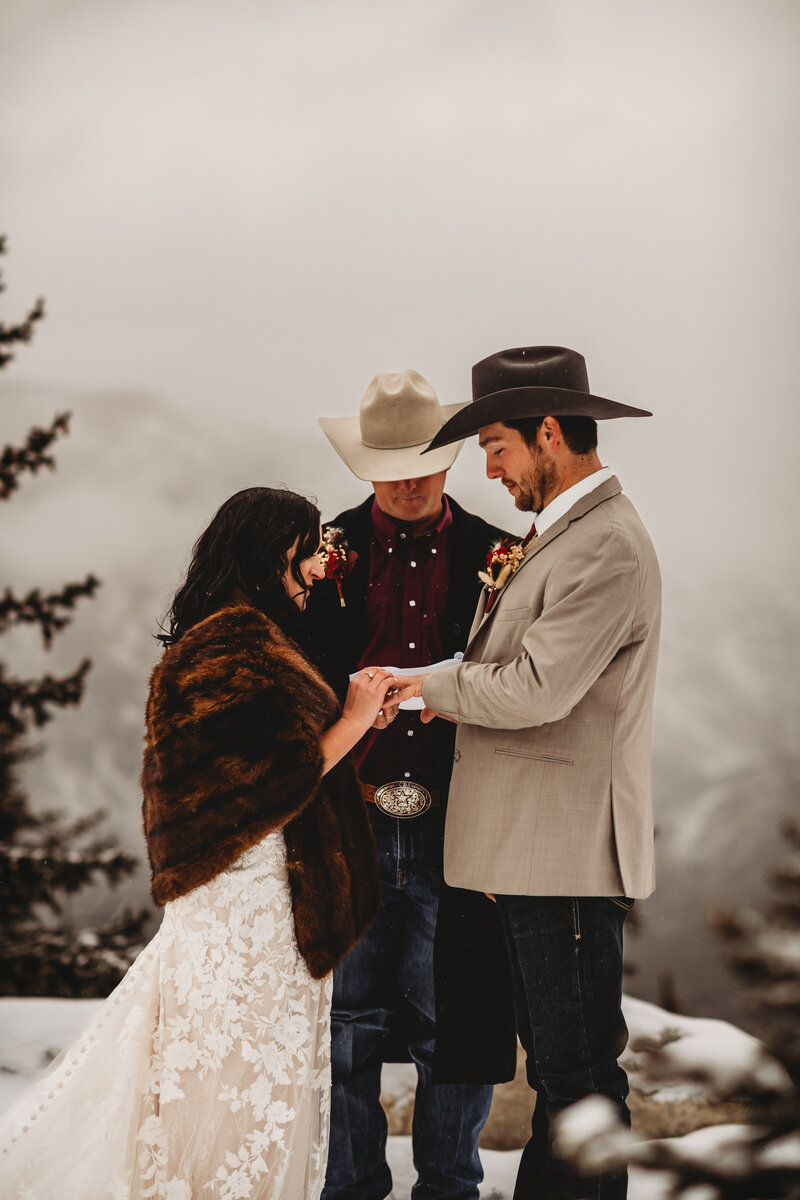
x: 406, y: 599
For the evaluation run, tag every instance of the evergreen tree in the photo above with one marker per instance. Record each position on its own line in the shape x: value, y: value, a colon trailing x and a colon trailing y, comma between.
x: 43, y: 856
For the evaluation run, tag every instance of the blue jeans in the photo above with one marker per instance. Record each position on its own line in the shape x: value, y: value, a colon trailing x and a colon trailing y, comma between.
x: 566, y: 962
x: 383, y: 996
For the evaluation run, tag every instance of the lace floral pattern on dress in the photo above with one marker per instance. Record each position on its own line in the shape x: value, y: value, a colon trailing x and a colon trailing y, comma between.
x: 207, y: 1072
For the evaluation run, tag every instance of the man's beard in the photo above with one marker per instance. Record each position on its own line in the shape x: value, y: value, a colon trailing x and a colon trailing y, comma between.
x: 524, y: 499
x: 533, y: 488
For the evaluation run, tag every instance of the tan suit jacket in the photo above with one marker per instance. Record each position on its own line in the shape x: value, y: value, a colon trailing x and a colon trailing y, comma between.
x: 550, y: 794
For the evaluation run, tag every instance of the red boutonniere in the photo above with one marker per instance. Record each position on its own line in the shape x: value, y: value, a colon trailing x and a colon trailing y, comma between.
x: 502, y: 561
x: 335, y: 558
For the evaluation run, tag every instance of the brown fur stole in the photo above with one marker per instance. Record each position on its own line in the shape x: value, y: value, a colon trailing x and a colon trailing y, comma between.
x: 234, y: 718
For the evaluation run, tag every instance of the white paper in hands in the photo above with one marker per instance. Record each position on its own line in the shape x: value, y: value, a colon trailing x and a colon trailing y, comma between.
x: 416, y: 702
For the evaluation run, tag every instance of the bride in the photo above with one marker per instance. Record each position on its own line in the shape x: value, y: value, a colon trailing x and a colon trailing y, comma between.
x: 206, y: 1073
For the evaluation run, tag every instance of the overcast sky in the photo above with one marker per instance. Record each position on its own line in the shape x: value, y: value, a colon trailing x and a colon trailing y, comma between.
x: 244, y: 211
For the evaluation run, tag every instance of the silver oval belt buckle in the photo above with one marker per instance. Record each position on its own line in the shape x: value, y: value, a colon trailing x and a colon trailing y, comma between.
x: 402, y: 798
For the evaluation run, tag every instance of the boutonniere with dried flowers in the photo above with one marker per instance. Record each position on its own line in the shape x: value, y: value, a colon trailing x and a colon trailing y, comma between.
x: 334, y: 558
x: 502, y: 561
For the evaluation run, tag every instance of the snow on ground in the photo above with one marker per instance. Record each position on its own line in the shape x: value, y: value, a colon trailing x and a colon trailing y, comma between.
x: 499, y: 1166
x: 711, y: 1056
x: 32, y: 1032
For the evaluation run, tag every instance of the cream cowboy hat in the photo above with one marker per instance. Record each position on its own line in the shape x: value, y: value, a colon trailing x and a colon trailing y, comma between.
x: 400, y: 413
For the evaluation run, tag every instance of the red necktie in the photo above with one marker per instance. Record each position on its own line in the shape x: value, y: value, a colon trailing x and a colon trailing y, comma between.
x: 530, y: 535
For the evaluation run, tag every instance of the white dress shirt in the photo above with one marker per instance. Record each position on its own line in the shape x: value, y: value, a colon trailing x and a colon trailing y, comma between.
x: 565, y: 500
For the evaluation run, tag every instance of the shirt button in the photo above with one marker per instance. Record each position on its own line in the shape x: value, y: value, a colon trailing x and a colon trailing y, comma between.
x: 433, y: 549
x: 412, y: 645
x: 391, y: 548
x: 410, y: 732
x: 412, y: 563
x: 412, y: 604
x: 406, y: 774
x: 456, y: 756
x: 402, y: 535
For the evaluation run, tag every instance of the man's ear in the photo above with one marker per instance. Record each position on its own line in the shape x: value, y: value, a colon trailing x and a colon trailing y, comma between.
x: 549, y: 435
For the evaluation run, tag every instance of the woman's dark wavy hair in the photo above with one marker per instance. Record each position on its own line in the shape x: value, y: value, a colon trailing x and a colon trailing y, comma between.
x: 246, y: 548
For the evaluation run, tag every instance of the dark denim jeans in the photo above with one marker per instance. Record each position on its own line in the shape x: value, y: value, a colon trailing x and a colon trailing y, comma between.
x: 384, y: 985
x: 566, y: 961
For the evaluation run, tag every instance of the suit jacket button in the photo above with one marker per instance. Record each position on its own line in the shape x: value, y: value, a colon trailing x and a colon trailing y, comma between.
x: 456, y: 756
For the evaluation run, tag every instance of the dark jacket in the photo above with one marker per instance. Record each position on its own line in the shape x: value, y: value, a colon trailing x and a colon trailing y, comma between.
x: 475, y: 1039
x: 234, y: 717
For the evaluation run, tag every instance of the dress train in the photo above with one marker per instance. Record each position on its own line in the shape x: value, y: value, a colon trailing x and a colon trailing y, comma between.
x: 206, y: 1073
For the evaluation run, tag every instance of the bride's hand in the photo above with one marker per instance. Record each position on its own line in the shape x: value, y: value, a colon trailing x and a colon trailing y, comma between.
x: 366, y: 695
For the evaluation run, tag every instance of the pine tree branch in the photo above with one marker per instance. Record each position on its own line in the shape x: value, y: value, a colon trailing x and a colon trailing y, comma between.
x: 19, y: 333
x: 42, y: 961
x: 24, y: 330
x: 23, y: 701
x: 43, y: 610
x: 31, y: 456
x: 41, y: 875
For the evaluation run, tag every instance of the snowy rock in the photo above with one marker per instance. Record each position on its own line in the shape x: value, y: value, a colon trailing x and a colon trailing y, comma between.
x: 668, y: 1051
x: 783, y: 1155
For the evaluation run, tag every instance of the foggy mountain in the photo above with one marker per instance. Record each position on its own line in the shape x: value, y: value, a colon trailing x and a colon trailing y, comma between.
x: 135, y: 484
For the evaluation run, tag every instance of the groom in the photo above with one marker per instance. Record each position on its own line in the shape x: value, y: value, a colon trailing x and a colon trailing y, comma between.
x: 549, y: 806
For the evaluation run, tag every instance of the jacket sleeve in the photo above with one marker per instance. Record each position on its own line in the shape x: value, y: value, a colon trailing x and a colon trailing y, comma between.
x: 589, y: 614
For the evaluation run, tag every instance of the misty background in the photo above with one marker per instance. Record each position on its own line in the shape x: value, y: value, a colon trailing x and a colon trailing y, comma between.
x: 239, y: 214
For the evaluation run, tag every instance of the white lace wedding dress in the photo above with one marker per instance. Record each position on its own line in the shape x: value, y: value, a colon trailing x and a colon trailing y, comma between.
x: 207, y: 1072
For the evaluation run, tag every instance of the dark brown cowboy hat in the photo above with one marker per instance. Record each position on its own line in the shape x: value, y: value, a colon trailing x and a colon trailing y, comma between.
x: 531, y: 381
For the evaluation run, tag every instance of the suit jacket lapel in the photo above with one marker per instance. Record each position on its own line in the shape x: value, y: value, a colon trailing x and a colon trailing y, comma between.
x: 605, y: 491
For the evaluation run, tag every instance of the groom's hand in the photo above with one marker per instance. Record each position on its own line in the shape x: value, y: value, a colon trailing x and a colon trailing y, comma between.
x: 408, y: 686
x: 429, y: 714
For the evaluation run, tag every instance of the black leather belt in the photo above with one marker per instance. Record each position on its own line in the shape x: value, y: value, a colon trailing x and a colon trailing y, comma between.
x: 400, y: 798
